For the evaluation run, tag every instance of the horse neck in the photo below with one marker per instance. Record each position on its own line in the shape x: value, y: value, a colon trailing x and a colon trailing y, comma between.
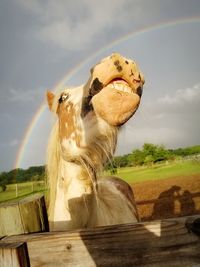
x: 77, y: 177
x: 96, y: 146
x: 73, y: 174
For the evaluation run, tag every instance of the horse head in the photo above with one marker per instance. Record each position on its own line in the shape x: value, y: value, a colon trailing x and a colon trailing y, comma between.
x: 92, y: 113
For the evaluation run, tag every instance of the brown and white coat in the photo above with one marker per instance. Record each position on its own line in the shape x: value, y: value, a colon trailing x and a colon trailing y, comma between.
x: 83, y: 139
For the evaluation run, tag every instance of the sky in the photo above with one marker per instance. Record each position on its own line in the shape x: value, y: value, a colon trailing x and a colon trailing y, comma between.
x: 43, y: 43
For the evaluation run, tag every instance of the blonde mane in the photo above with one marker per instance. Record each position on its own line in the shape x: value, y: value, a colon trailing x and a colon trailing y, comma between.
x: 53, y: 163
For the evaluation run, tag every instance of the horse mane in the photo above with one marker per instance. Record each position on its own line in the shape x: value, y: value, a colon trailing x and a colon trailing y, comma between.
x: 53, y: 165
x: 53, y: 157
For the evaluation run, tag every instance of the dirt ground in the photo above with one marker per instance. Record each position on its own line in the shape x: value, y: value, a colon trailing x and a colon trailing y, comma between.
x: 174, y: 197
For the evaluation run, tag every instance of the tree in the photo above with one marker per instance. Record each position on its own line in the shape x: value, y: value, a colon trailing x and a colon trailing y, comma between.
x: 149, y: 160
x: 149, y: 154
x: 161, y: 154
x: 3, y: 186
x: 121, y: 161
x: 4, y: 178
x: 137, y: 157
x: 149, y: 149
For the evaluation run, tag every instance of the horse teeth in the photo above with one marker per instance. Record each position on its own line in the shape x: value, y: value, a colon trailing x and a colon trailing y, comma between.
x: 121, y: 87
x: 127, y: 89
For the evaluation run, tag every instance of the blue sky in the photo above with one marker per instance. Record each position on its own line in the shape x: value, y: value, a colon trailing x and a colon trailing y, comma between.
x: 42, y: 41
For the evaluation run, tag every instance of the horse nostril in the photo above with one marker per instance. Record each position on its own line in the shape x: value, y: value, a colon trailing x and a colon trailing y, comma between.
x: 139, y: 91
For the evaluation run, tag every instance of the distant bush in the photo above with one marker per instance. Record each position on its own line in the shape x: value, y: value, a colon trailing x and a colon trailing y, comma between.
x: 3, y: 186
x: 150, y: 154
x: 21, y: 175
x: 187, y: 151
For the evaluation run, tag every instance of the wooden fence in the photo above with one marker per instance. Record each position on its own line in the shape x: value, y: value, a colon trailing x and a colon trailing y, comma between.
x: 171, y: 242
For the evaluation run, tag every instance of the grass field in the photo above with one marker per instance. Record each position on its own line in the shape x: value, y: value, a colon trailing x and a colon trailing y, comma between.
x: 159, y: 171
x: 14, y: 191
x: 132, y: 175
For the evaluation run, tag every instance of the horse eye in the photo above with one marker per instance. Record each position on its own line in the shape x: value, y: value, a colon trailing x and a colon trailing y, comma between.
x: 63, y: 97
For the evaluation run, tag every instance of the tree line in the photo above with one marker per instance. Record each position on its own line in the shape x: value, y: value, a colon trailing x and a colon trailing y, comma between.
x: 147, y: 155
x: 150, y: 154
x: 35, y: 173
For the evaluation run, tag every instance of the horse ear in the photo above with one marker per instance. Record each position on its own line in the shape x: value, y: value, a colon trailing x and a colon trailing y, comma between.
x: 50, y: 98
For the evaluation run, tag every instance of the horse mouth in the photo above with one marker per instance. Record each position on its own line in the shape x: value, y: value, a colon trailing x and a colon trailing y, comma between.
x: 116, y: 102
x: 120, y: 85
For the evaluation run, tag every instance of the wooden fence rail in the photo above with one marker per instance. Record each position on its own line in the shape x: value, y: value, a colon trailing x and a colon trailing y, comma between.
x: 27, y: 215
x: 171, y: 242
x: 14, y: 254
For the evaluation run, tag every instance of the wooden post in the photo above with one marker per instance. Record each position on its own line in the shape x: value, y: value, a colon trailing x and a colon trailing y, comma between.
x: 16, y: 190
x: 14, y: 255
x: 27, y: 215
x: 151, y: 244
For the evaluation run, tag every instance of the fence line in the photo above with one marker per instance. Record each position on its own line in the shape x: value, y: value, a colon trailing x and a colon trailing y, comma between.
x: 22, y: 189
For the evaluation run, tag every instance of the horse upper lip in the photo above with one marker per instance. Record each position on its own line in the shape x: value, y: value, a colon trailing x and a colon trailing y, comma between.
x: 118, y: 80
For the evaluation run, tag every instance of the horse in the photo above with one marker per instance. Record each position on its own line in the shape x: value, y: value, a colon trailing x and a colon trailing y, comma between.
x: 83, y: 139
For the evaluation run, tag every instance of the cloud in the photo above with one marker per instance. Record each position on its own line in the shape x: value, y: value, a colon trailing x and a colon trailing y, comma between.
x: 13, y: 142
x: 28, y: 95
x: 178, y: 109
x: 183, y: 102
x: 182, y: 97
x: 77, y: 24
x: 10, y: 143
x: 172, y: 120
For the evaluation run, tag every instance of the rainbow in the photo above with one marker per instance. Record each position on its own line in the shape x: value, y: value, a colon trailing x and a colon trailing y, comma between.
x: 78, y: 67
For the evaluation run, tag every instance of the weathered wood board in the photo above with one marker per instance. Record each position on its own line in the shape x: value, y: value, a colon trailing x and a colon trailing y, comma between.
x: 159, y: 243
x: 27, y: 215
x: 14, y: 255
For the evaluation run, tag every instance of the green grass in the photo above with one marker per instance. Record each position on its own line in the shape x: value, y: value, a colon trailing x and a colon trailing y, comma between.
x: 158, y: 172
x: 23, y: 189
x: 130, y: 174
